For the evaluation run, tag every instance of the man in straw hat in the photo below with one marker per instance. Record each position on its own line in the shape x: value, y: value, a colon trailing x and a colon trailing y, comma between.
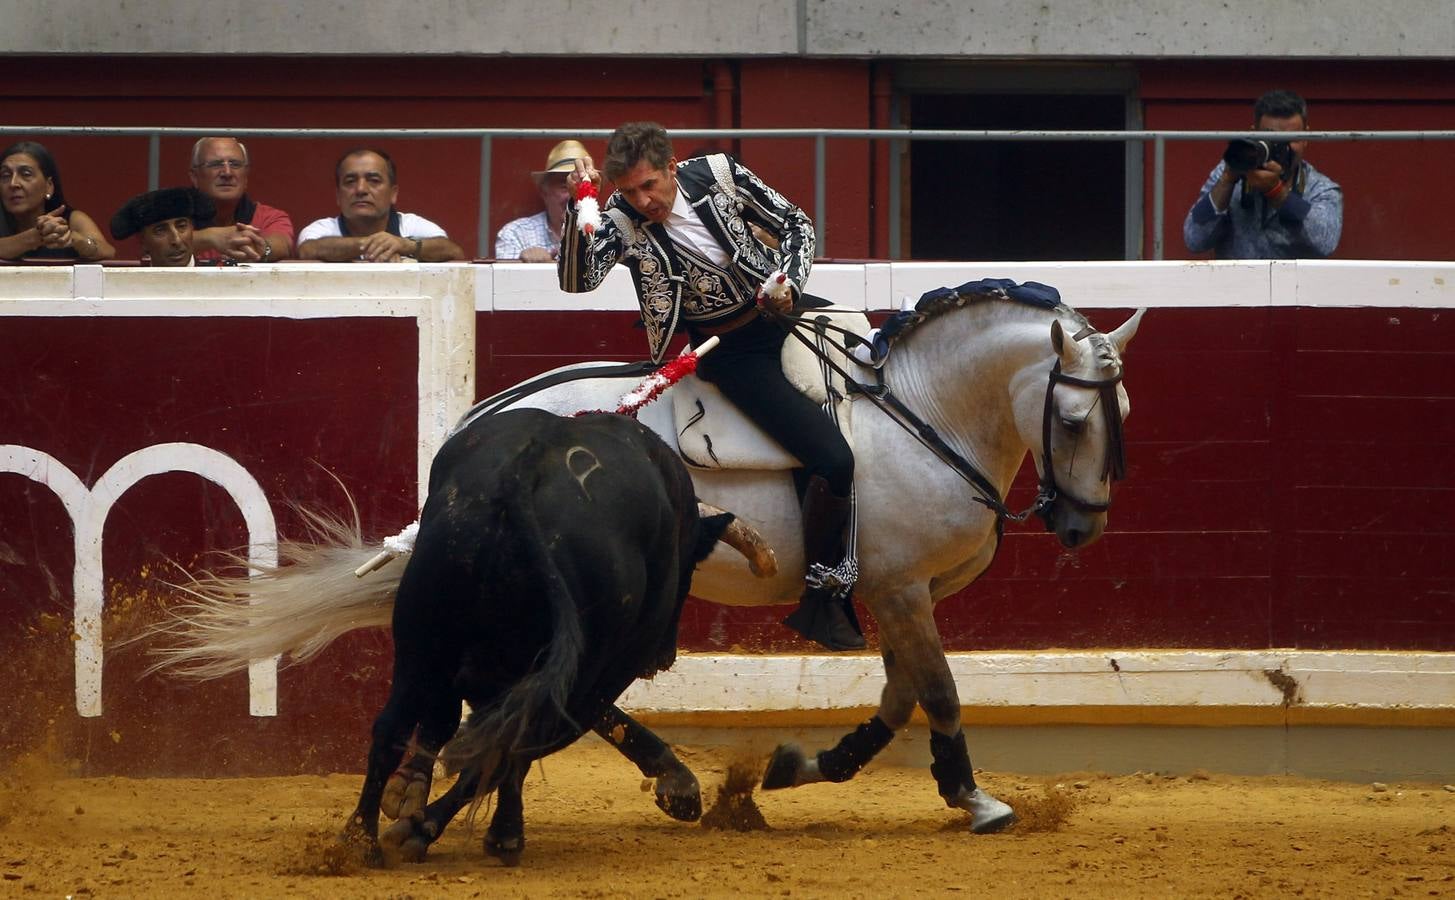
x: 165, y: 219
x: 537, y: 238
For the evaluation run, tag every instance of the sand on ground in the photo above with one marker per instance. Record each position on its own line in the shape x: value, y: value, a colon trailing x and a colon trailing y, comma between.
x: 593, y: 831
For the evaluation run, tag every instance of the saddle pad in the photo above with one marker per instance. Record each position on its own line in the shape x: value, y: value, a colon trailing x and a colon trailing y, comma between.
x: 712, y: 433
x: 804, y: 370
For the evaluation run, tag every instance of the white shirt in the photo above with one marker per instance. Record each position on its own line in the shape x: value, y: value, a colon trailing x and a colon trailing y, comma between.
x: 415, y: 228
x: 685, y: 227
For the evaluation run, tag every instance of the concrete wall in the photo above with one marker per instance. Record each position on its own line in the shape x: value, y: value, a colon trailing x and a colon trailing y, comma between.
x: 929, y: 28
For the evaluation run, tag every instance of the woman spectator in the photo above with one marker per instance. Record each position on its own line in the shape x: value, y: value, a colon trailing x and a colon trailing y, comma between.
x: 37, y: 223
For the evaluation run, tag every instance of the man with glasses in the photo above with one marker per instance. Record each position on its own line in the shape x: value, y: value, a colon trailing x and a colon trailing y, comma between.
x: 243, y: 229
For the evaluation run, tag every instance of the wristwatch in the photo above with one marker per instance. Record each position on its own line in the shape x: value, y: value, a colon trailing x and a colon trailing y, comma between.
x: 267, y: 251
x: 418, y: 248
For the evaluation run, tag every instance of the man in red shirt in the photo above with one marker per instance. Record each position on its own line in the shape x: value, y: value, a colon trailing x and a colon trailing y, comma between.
x: 243, y: 230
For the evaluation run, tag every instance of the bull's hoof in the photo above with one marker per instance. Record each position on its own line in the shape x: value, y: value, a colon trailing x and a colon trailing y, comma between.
x: 406, y: 841
x: 783, y: 767
x: 680, y: 796
x: 507, y: 849
x: 406, y: 793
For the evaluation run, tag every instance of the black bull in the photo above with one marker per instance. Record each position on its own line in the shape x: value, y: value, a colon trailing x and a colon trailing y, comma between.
x: 551, y: 565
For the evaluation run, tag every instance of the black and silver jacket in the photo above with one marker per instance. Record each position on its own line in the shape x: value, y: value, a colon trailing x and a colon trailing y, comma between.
x: 673, y: 283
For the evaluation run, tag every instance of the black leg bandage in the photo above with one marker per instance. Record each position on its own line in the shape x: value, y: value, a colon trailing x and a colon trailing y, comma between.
x: 854, y: 750
x: 951, y: 766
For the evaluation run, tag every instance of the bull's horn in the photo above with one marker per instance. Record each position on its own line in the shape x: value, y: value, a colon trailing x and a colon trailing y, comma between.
x: 745, y: 539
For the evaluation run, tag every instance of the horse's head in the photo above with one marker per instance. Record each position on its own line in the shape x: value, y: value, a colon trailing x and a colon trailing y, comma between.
x: 1081, y: 451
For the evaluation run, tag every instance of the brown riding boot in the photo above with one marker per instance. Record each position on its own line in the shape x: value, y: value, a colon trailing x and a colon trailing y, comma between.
x: 825, y: 612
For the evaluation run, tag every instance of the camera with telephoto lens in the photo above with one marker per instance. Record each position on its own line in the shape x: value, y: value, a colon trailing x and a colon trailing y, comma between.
x: 1246, y: 154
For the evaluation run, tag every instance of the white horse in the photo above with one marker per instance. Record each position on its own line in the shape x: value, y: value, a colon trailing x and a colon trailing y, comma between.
x: 994, y: 377
x: 987, y: 377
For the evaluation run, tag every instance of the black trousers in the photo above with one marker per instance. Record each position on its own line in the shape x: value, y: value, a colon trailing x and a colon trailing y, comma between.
x: 747, y: 366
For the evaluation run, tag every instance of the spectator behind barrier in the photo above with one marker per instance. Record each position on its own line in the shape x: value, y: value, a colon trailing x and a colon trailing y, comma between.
x: 1263, y: 201
x: 37, y: 222
x: 537, y: 238
x: 243, y: 229
x: 369, y: 228
x: 167, y: 221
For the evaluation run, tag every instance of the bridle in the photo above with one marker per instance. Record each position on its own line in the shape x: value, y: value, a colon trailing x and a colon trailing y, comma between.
x: 1115, y: 466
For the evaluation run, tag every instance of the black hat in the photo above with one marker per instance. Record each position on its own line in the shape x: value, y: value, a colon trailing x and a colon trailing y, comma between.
x: 160, y: 206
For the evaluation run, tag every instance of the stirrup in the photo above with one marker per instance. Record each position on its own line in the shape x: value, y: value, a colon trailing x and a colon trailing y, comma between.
x: 827, y: 619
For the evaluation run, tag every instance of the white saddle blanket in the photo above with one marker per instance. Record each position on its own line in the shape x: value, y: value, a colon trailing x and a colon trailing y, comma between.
x: 713, y: 434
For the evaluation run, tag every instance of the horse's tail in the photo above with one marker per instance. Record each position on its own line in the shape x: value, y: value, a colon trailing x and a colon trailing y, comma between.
x: 533, y: 713
x: 297, y: 607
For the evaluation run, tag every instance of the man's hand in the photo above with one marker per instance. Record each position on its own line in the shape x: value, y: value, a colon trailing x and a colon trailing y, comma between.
x: 381, y: 246
x: 244, y: 244
x: 1264, y: 179
x: 537, y: 255
x: 584, y: 171
x: 777, y: 293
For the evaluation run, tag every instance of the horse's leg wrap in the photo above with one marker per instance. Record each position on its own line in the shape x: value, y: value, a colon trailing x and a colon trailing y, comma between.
x: 951, y: 765
x: 855, y: 749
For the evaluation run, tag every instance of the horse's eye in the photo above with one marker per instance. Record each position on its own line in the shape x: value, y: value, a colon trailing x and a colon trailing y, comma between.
x: 1074, y: 426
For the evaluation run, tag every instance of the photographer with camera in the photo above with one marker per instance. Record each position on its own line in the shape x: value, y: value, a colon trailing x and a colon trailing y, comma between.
x: 1263, y: 201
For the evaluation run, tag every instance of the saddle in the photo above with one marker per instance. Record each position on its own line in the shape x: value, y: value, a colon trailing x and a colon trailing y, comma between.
x: 711, y: 433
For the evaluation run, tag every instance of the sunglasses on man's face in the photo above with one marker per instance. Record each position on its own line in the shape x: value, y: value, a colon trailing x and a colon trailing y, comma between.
x: 217, y: 165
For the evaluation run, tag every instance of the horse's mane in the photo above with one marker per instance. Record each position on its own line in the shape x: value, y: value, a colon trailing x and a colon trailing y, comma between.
x: 1005, y: 294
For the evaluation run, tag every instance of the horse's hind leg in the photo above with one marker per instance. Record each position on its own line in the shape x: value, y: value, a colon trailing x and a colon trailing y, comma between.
x: 677, y: 790
x: 790, y: 767
x: 909, y: 624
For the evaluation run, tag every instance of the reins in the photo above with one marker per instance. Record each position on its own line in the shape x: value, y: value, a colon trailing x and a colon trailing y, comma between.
x: 884, y: 398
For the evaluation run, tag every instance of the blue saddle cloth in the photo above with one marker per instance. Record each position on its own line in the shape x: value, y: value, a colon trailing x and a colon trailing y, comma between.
x: 1032, y: 293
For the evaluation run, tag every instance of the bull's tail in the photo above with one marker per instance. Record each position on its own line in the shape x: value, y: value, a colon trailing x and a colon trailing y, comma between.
x: 533, y: 710
x: 296, y: 608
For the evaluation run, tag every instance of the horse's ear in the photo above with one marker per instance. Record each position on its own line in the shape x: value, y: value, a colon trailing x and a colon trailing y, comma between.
x: 1058, y: 338
x: 1124, y: 332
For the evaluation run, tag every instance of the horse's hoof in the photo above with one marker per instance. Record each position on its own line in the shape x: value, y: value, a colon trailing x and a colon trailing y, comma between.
x: 405, y: 841
x: 507, y: 850
x: 987, y: 814
x: 783, y: 767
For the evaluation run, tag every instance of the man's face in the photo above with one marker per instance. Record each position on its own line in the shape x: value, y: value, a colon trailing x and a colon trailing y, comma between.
x: 168, y: 243
x: 221, y: 171
x: 554, y: 194
x: 365, y: 192
x: 650, y: 191
x: 1294, y: 122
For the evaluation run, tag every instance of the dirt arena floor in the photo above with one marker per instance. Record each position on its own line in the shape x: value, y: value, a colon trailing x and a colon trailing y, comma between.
x: 593, y: 832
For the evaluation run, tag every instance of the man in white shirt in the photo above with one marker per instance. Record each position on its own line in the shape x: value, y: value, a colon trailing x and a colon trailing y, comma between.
x: 537, y: 238
x: 369, y: 228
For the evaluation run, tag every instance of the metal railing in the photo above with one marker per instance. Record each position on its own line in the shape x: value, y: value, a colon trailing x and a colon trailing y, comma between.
x: 820, y: 137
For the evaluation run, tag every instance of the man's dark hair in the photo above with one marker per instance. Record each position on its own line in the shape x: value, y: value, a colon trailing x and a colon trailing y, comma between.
x: 47, y: 164
x: 1280, y: 105
x: 338, y: 167
x: 634, y: 142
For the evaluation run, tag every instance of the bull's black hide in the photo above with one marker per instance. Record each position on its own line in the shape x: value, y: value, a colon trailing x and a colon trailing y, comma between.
x: 552, y: 561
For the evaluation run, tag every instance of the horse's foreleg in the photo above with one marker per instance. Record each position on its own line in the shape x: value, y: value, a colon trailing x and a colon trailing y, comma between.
x: 790, y: 767
x: 909, y: 621
x: 678, y: 793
